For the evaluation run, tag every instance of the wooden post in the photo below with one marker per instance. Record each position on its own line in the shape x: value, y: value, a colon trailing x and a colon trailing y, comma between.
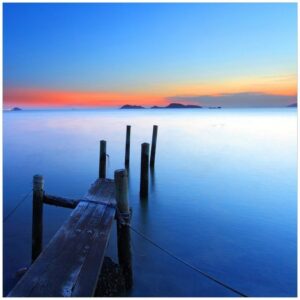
x: 144, y: 170
x: 152, y: 179
x: 123, y: 230
x: 102, y: 160
x: 37, y: 216
x: 127, y: 149
x: 153, y: 146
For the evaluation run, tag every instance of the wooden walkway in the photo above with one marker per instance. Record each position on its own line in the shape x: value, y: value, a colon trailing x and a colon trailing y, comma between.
x: 71, y: 263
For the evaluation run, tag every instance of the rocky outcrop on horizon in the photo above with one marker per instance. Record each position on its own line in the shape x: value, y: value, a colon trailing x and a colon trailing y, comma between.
x: 177, y: 105
x: 127, y: 106
x: 171, y: 105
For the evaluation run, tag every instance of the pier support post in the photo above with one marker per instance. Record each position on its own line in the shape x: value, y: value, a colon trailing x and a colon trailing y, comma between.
x: 127, y: 148
x: 153, y: 146
x: 37, y: 216
x: 123, y: 230
x: 144, y: 180
x: 102, y: 160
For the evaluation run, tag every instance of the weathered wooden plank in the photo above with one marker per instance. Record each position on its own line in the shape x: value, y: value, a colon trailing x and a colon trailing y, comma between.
x: 60, y: 201
x: 102, y: 190
x: 65, y: 266
x: 71, y: 262
x: 31, y: 277
x: 62, y: 273
x: 91, y: 268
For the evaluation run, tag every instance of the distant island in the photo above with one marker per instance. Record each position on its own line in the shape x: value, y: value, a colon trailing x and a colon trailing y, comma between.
x: 127, y: 106
x: 171, y: 105
x: 177, y: 105
x: 16, y: 109
x: 293, y: 105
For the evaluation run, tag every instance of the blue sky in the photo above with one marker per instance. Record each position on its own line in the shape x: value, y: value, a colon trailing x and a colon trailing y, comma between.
x: 162, y: 50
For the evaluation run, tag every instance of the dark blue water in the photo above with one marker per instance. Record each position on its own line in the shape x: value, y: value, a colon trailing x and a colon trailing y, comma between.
x: 223, y: 195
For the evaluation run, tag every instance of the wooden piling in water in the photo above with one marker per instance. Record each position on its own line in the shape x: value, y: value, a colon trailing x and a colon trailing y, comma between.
x: 37, y: 216
x: 127, y: 147
x: 123, y: 221
x: 153, y: 146
x: 144, y: 180
x: 102, y: 160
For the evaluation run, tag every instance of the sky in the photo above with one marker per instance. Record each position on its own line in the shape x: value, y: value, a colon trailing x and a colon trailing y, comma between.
x: 110, y: 54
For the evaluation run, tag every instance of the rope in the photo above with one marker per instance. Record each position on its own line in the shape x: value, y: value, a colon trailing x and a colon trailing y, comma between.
x: 107, y: 204
x: 16, y: 207
x: 186, y: 263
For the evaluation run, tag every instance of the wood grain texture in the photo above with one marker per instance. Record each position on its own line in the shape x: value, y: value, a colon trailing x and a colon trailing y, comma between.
x: 71, y: 263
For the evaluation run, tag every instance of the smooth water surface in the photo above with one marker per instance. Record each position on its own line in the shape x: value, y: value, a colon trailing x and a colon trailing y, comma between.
x: 223, y: 195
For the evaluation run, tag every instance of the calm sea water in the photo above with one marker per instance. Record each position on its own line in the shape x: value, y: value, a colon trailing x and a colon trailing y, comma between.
x: 223, y: 195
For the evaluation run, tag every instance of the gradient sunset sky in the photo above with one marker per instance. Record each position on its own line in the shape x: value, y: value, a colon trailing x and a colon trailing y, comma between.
x: 106, y: 54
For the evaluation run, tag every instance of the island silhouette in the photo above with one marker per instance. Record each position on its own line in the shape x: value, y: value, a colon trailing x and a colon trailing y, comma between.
x: 171, y: 105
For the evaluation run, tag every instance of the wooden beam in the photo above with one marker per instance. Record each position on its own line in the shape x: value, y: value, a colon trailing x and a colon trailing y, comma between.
x: 60, y: 201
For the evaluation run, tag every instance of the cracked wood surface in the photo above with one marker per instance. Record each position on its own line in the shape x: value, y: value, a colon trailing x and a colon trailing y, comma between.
x: 71, y: 263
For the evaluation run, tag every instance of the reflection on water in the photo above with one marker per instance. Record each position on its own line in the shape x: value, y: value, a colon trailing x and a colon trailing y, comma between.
x: 222, y: 195
x: 152, y: 179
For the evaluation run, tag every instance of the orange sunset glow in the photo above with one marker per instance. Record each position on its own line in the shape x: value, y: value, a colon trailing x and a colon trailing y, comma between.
x: 31, y: 97
x: 56, y: 98
x: 27, y: 97
x: 273, y: 85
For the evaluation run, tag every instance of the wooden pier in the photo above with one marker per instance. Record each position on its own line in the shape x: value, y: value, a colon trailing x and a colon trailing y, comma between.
x: 71, y: 263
